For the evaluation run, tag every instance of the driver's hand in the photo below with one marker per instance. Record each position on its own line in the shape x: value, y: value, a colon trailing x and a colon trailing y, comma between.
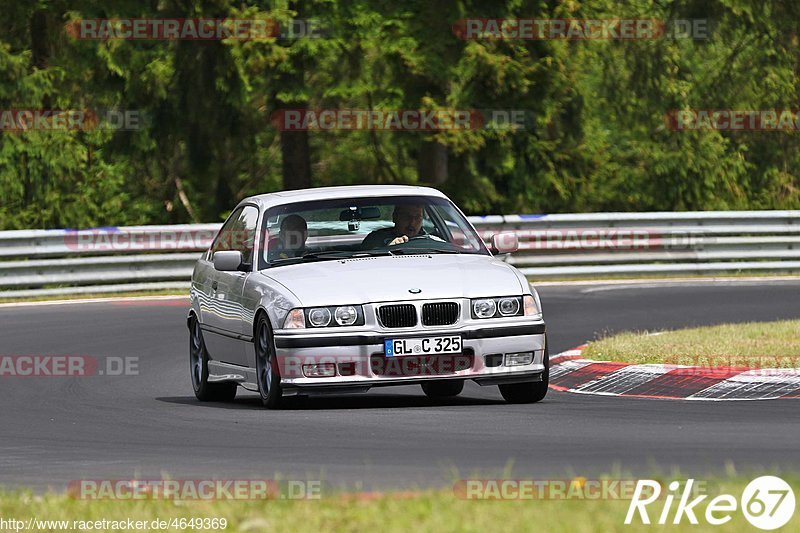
x: 398, y: 240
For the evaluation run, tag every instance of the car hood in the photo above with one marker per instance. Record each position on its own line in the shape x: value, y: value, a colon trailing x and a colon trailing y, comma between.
x: 381, y: 279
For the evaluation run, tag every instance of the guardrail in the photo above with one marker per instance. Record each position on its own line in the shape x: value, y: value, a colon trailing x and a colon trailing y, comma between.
x: 133, y: 258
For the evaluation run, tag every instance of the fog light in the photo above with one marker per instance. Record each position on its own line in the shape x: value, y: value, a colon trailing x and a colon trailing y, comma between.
x: 321, y: 370
x: 521, y: 358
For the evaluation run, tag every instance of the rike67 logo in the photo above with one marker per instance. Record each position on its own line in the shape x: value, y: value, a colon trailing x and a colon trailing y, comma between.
x: 767, y: 502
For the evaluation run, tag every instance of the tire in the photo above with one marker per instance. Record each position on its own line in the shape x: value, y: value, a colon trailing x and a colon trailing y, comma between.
x: 443, y: 388
x: 532, y: 391
x: 267, y: 371
x: 198, y: 367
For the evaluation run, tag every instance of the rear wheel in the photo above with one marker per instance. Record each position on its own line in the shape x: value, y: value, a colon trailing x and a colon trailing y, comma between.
x: 442, y: 389
x: 198, y: 364
x: 531, y: 391
x: 269, y: 378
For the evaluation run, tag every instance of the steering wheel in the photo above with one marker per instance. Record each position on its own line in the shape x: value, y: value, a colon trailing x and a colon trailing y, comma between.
x: 429, y: 236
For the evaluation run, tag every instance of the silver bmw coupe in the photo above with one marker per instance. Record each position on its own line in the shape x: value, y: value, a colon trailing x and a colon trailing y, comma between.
x: 341, y: 289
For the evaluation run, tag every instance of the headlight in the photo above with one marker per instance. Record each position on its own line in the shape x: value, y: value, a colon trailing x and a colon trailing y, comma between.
x: 508, y: 306
x: 319, y: 317
x: 346, y: 315
x: 484, y: 308
x: 505, y: 306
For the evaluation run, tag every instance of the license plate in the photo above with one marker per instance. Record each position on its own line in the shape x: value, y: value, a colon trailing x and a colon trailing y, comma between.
x: 424, y: 346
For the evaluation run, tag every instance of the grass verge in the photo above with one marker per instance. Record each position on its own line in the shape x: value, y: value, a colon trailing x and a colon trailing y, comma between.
x: 668, y: 277
x: 92, y: 296
x: 751, y: 344
x: 433, y: 510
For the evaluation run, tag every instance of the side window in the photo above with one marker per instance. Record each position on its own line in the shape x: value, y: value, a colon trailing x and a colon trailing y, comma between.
x: 238, y: 233
x: 222, y: 240
x: 452, y: 231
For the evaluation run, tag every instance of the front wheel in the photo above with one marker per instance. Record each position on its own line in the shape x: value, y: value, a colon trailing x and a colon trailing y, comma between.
x: 198, y: 365
x: 532, y: 391
x: 442, y: 389
x: 269, y: 378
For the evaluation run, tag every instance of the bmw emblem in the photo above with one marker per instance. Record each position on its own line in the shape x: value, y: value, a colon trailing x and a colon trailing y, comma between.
x: 415, y: 290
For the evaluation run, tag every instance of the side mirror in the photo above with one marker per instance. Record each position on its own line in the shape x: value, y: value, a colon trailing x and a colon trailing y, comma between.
x: 227, y: 261
x: 505, y: 243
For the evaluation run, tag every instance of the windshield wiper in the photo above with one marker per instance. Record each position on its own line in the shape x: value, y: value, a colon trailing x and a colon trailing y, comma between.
x: 346, y: 254
x: 371, y: 253
x: 333, y: 254
x: 412, y: 251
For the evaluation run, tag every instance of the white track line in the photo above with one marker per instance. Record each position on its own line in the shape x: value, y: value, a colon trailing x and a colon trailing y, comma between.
x: 750, y: 385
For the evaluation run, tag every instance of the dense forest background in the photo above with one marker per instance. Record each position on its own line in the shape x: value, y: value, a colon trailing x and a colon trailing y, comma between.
x: 596, y: 139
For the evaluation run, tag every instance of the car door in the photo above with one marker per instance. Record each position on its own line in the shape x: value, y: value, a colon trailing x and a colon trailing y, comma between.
x: 223, y: 324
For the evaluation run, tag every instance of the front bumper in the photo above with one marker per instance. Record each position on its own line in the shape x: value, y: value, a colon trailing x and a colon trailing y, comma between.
x: 358, y: 361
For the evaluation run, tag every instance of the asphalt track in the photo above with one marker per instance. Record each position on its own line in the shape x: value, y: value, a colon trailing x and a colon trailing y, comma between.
x: 53, y: 430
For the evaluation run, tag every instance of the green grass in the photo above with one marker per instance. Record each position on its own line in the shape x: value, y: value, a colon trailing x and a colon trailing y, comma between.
x: 756, y: 344
x: 673, y: 277
x: 433, y: 510
x: 91, y: 296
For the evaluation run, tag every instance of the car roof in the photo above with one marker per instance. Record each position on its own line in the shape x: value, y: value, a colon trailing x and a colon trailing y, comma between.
x: 333, y: 193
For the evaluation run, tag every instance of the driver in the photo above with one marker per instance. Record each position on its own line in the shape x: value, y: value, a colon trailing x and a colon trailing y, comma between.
x: 407, y: 220
x: 291, y: 241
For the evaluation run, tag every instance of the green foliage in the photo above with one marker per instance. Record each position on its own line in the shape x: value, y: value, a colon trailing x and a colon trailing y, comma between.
x: 595, y: 137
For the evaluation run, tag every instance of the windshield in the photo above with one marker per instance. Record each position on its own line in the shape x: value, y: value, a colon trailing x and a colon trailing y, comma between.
x: 354, y: 227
